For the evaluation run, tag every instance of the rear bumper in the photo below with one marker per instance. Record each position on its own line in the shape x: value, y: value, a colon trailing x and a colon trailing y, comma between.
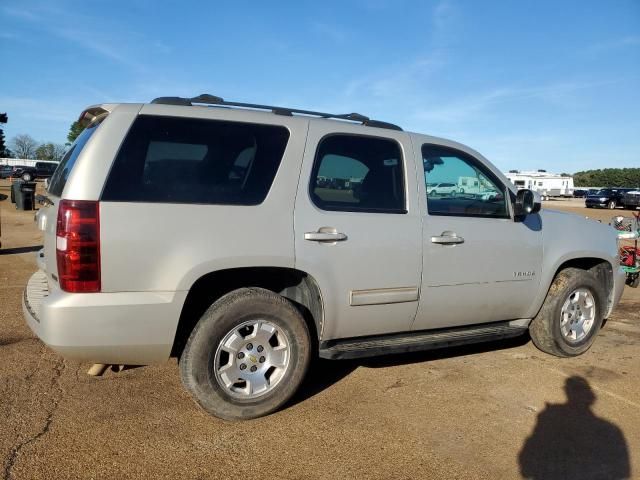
x: 133, y: 328
x: 619, y: 279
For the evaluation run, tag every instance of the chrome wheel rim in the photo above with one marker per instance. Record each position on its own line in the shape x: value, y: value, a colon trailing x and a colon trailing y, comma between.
x: 251, y: 359
x: 578, y: 315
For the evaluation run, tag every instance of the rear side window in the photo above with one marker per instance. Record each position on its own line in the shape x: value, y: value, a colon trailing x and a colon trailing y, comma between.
x: 358, y: 174
x: 186, y: 160
x: 62, y: 172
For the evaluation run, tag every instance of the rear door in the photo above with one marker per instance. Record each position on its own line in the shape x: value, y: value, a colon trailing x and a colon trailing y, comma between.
x: 357, y: 228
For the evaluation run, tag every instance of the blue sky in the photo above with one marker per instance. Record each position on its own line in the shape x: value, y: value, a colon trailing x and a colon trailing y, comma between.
x: 530, y: 84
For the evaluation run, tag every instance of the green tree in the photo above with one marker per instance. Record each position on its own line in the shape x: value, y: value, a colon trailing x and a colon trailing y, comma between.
x: 75, y: 130
x: 608, y: 177
x: 4, y: 151
x: 50, y: 151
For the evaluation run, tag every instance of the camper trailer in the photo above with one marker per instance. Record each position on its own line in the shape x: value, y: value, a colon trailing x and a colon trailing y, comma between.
x: 546, y: 184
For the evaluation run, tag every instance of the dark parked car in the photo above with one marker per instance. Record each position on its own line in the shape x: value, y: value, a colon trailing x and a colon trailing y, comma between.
x: 45, y: 169
x: 631, y: 199
x: 41, y: 170
x: 5, y: 171
x: 580, y: 193
x: 18, y: 170
x: 606, y: 198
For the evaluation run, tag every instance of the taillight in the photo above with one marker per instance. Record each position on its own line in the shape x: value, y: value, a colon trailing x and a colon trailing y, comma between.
x: 78, y: 246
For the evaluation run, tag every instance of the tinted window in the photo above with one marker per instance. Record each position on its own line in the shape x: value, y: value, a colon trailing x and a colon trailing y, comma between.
x: 62, y: 172
x: 462, y: 186
x: 356, y: 173
x: 182, y: 160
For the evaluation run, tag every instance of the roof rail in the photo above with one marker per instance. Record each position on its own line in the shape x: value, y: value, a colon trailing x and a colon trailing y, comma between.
x: 207, y: 99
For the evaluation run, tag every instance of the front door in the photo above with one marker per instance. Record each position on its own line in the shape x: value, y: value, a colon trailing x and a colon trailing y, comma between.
x: 358, y: 228
x: 479, y: 264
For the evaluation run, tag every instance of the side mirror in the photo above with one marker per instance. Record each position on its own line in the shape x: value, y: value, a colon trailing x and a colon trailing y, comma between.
x: 527, y: 202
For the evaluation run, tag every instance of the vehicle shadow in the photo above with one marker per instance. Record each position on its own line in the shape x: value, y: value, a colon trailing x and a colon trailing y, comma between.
x: 3, y: 196
x: 16, y: 250
x: 325, y: 373
x: 570, y: 442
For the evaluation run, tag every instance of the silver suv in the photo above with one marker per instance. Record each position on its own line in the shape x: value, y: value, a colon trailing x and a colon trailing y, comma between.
x: 247, y: 239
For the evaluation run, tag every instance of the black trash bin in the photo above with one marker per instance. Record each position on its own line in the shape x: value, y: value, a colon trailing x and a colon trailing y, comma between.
x: 25, y: 195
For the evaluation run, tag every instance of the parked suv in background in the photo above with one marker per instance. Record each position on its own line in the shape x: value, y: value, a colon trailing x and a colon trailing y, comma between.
x: 244, y: 239
x: 443, y: 189
x: 40, y: 170
x: 580, y: 193
x: 631, y: 199
x: 606, y: 198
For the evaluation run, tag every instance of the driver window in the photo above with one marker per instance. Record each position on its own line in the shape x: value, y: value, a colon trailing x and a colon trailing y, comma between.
x: 457, y: 186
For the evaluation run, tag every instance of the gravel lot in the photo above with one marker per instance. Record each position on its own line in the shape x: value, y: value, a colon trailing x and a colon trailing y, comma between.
x: 501, y: 410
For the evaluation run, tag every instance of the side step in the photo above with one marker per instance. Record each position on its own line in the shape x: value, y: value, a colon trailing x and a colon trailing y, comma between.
x: 373, y: 346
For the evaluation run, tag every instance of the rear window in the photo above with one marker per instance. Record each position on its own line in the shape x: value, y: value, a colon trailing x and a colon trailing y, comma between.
x: 185, y: 160
x: 62, y: 172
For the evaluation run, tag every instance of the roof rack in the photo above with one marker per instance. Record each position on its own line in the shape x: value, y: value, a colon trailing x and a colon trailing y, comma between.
x: 207, y: 99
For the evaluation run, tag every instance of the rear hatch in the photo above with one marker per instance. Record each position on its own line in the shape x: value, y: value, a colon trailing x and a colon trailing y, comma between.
x: 48, y: 212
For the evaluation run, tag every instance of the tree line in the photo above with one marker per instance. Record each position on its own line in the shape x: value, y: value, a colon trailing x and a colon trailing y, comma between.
x: 608, y: 177
x: 25, y: 146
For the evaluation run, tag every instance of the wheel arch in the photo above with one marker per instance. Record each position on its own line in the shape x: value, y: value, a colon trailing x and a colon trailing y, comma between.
x: 296, y: 285
x: 600, y: 267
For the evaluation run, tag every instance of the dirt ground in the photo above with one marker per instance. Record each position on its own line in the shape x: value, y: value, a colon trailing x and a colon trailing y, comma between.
x: 497, y: 411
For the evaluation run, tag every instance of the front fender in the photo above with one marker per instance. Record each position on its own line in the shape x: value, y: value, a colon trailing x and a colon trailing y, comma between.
x: 572, y: 239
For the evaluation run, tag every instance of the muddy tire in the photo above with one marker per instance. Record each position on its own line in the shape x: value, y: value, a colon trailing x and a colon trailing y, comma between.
x: 571, y: 315
x: 247, y: 355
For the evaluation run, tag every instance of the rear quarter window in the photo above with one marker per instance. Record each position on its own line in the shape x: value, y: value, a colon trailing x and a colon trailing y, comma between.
x: 63, y: 170
x: 186, y: 160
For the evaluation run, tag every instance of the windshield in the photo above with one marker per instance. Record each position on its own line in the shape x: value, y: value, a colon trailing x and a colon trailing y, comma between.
x: 60, y: 176
x: 604, y: 191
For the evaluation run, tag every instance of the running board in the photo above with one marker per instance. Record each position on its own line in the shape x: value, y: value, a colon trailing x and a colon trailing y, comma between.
x: 373, y: 346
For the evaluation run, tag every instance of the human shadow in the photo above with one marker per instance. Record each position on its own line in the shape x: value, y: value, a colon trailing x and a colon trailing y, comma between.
x: 570, y: 442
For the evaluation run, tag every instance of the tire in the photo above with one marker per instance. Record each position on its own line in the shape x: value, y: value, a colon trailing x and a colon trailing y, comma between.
x: 27, y: 177
x: 230, y: 315
x: 545, y: 329
x: 611, y: 205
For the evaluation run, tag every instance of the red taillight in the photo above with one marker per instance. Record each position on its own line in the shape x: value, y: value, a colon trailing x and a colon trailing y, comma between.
x: 78, y: 246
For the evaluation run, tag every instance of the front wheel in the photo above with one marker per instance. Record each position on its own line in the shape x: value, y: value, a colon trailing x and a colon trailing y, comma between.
x: 571, y: 315
x: 611, y: 205
x: 247, y: 355
x: 27, y: 177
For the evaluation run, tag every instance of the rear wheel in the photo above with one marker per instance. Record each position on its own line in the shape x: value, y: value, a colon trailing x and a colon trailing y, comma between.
x: 247, y: 355
x: 571, y: 315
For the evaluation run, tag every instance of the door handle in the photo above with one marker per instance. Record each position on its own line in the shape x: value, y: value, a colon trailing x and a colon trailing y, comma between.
x: 447, y: 238
x: 325, y: 234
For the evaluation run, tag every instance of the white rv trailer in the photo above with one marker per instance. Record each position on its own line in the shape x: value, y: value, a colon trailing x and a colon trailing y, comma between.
x: 545, y: 183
